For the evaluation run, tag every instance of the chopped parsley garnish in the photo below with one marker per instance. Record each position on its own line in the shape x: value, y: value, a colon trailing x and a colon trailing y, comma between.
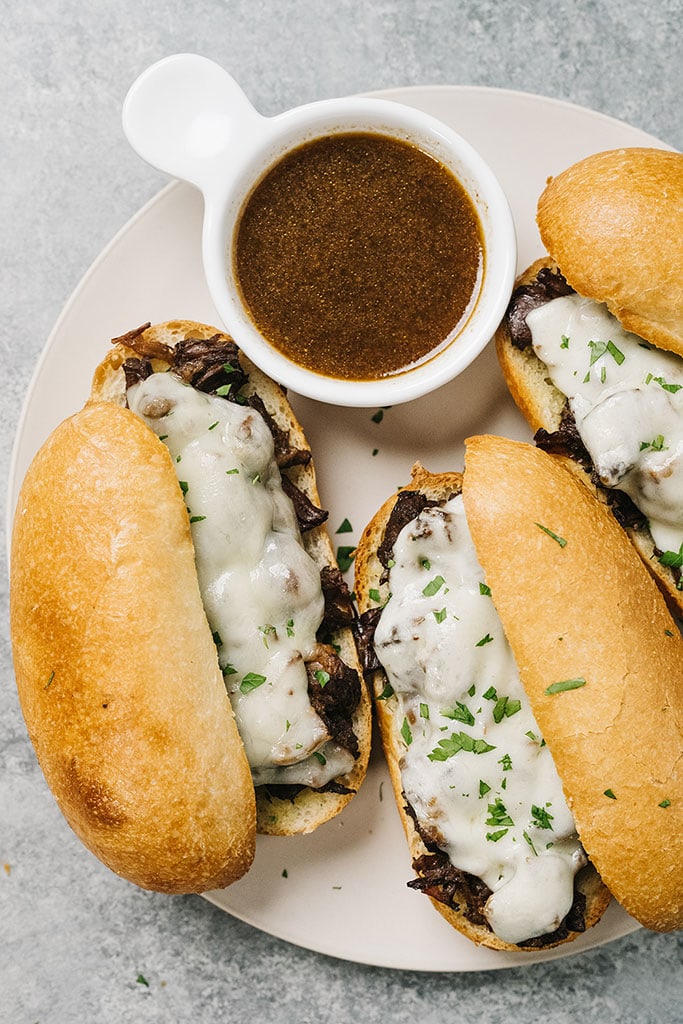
x: 565, y: 684
x: 345, y: 557
x: 379, y: 416
x: 672, y: 559
x: 484, y: 788
x: 456, y: 742
x: 386, y: 693
x: 223, y: 390
x: 565, y: 341
x: 530, y: 841
x: 231, y: 472
x: 560, y: 540
x: 672, y: 388
x: 506, y: 763
x: 616, y: 354
x: 490, y: 694
x: 541, y: 817
x: 599, y: 348
x: 406, y: 733
x: 48, y: 684
x: 345, y: 527
x: 323, y: 677
x: 197, y: 519
x: 460, y: 713
x: 266, y: 631
x: 493, y: 837
x: 656, y: 445
x: 498, y: 814
x: 319, y: 756
x: 229, y: 670
x: 434, y: 586
x: 251, y: 681
x: 484, y: 640
x: 664, y: 803
x: 505, y: 708
x: 375, y: 596
x: 183, y: 486
x: 440, y: 615
x: 142, y: 980
x: 610, y: 794
x: 217, y: 638
x: 213, y: 425
x: 424, y: 711
x: 425, y: 563
x: 485, y: 590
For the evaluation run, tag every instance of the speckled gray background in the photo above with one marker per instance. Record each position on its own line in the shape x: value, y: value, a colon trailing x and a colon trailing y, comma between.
x: 73, y: 937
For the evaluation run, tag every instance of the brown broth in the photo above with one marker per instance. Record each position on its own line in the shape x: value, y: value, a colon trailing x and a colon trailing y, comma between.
x: 358, y: 255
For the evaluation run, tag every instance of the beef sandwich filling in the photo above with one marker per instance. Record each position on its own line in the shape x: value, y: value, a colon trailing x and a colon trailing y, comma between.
x: 623, y: 416
x: 270, y: 608
x: 478, y: 779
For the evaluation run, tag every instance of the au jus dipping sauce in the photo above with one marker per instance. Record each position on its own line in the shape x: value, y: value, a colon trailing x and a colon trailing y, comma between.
x: 358, y: 256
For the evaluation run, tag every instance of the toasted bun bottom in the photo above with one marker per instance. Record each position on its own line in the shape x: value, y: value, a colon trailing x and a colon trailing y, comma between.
x: 115, y: 664
x: 305, y: 810
x: 368, y: 573
x: 580, y: 611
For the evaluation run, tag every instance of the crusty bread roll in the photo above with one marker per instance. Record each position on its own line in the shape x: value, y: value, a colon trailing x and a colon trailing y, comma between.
x: 116, y: 665
x: 287, y: 814
x: 613, y: 222
x: 587, y: 609
x: 583, y: 608
x: 453, y: 903
x: 613, y: 227
x: 114, y: 661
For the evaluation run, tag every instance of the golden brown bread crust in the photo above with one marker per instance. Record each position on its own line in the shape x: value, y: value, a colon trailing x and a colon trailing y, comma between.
x: 613, y: 222
x: 368, y: 573
x: 309, y: 809
x: 542, y: 405
x: 587, y: 610
x: 115, y: 664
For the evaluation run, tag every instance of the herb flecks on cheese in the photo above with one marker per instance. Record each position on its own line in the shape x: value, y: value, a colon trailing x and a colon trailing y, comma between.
x: 487, y: 787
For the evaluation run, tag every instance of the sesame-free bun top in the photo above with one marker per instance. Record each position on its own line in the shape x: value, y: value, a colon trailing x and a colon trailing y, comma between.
x: 613, y: 222
x: 116, y: 668
x: 580, y: 610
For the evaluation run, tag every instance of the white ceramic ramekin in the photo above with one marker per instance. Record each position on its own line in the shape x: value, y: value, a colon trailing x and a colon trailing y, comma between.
x: 188, y: 117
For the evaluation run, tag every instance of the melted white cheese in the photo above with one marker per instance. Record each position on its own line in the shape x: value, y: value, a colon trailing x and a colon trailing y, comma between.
x: 627, y: 400
x: 261, y: 590
x: 489, y: 787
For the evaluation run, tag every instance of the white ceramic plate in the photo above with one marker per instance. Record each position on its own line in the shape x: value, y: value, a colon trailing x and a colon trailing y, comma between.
x: 341, y: 891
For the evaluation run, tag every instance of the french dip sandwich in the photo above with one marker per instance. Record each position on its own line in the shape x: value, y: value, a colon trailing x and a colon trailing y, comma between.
x: 180, y: 630
x: 592, y: 343
x: 528, y: 681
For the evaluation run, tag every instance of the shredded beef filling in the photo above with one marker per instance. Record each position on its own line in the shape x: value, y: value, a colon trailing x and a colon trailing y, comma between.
x: 212, y: 365
x: 549, y: 284
x: 334, y: 692
x: 339, y: 610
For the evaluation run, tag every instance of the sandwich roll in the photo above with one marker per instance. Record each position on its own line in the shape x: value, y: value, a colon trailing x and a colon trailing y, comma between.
x: 234, y: 475
x: 592, y: 343
x: 506, y: 839
x: 115, y: 665
x: 585, y: 615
